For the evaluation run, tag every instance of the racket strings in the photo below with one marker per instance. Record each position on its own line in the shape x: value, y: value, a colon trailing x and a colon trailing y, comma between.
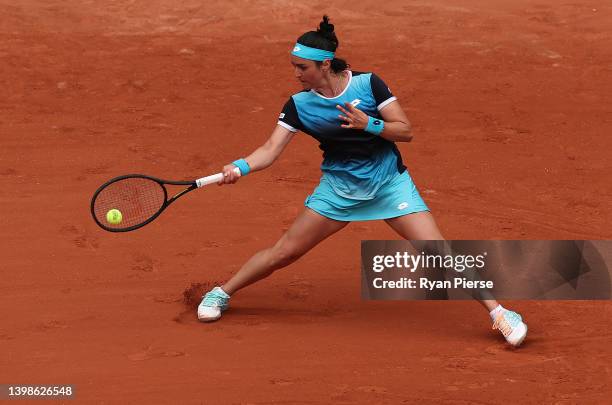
x: 138, y: 199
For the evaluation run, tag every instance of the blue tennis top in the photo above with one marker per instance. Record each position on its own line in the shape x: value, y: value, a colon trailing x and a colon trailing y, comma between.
x: 355, y: 163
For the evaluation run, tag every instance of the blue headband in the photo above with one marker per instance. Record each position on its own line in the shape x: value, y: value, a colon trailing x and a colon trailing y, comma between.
x: 306, y: 52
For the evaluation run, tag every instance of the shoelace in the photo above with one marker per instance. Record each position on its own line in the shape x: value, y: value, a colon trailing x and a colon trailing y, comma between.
x: 212, y: 299
x: 504, y: 320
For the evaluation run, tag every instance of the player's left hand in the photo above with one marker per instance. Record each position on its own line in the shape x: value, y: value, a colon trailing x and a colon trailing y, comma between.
x: 353, y: 117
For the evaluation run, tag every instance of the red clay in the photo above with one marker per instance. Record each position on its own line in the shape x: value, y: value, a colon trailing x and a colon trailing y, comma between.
x: 510, y: 103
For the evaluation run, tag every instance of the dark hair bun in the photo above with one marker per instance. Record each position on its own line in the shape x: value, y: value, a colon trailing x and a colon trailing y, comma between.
x: 327, y: 29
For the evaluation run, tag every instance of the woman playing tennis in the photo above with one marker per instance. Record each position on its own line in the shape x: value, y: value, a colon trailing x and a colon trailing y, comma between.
x: 357, y: 121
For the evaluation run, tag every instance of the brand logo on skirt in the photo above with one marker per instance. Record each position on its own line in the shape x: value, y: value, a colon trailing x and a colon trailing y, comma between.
x: 402, y: 206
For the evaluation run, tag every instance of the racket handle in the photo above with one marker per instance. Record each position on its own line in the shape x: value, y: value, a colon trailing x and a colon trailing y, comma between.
x: 215, y: 178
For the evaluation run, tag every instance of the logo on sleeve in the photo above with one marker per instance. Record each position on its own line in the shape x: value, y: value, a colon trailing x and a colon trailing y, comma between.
x: 402, y: 206
x: 281, y: 116
x: 297, y: 49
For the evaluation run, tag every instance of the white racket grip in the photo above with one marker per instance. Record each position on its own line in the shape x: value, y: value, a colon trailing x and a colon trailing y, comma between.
x: 215, y: 178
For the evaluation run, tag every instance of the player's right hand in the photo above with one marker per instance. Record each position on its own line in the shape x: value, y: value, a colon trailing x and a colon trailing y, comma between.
x: 229, y: 176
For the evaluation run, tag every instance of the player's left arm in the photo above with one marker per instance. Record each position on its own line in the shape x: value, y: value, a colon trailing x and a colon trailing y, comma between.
x: 396, y: 128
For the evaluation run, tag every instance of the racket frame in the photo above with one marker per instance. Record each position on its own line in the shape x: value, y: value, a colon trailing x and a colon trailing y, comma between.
x: 192, y: 186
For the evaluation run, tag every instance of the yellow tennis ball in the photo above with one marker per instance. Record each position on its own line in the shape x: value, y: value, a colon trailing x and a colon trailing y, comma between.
x: 114, y: 216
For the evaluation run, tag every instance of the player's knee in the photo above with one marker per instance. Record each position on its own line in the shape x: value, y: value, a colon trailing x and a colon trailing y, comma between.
x: 283, y: 254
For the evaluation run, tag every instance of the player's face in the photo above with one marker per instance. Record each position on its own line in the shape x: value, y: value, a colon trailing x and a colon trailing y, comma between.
x: 307, y: 72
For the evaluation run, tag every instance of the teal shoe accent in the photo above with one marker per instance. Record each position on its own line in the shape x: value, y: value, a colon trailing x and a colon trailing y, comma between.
x: 512, y: 318
x: 216, y: 298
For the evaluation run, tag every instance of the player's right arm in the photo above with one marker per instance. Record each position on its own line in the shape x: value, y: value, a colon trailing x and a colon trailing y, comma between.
x: 289, y: 124
x: 263, y: 156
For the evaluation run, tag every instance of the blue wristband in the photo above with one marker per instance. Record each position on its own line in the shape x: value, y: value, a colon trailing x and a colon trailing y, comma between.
x: 375, y: 126
x: 243, y: 166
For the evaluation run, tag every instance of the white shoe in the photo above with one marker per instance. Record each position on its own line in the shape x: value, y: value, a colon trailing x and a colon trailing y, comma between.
x: 511, y: 325
x: 213, y: 303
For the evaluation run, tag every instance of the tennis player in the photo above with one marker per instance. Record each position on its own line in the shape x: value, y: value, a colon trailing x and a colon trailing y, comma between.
x: 357, y: 121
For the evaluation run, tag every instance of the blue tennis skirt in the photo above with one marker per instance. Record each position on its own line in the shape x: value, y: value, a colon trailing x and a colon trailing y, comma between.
x: 396, y: 198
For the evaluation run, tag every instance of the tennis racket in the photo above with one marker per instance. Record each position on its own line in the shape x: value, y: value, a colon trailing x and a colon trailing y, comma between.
x: 139, y: 199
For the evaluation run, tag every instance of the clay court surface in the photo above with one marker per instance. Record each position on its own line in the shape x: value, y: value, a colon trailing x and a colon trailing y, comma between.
x: 510, y: 104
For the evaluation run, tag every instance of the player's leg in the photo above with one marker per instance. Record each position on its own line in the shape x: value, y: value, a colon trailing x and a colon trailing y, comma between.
x: 306, y: 232
x: 416, y: 226
x: 422, y: 226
